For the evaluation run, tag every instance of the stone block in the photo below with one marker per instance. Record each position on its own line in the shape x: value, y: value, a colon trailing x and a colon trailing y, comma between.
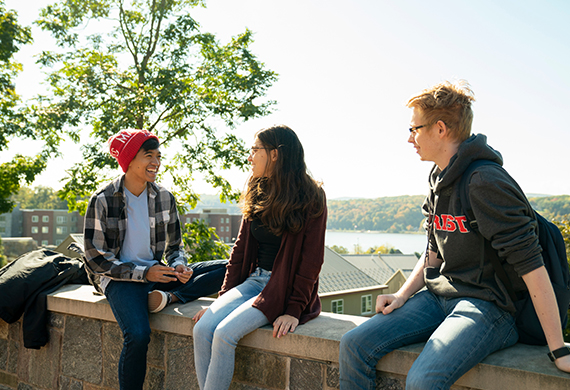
x: 112, y: 347
x: 333, y: 377
x: 156, y: 355
x: 3, y: 330
x: 13, y: 353
x: 14, y: 331
x: 82, y: 349
x: 306, y: 374
x: 260, y: 368
x: 389, y: 383
x: 3, y: 354
x: 44, y: 363
x: 25, y: 386
x: 154, y: 379
x: 55, y: 320
x: 8, y: 380
x: 180, y: 372
x: 90, y: 386
x: 67, y: 383
x: 243, y: 386
x: 22, y: 369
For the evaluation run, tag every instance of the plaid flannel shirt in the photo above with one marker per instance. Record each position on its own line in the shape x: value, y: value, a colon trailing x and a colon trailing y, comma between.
x: 106, y: 224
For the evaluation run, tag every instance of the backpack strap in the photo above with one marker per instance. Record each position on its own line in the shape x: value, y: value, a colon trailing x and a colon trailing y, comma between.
x: 466, y: 206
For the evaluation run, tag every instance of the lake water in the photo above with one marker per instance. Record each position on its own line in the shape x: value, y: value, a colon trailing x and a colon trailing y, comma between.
x: 407, y: 243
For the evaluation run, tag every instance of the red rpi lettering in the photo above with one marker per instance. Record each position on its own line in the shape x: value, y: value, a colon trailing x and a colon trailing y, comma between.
x: 461, y: 223
x: 449, y: 223
x: 436, y: 222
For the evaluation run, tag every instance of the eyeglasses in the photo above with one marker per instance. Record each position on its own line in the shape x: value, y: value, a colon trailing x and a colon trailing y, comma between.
x: 254, y: 149
x: 416, y: 128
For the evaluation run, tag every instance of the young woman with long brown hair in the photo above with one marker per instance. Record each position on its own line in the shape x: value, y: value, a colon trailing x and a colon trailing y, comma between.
x: 272, y: 275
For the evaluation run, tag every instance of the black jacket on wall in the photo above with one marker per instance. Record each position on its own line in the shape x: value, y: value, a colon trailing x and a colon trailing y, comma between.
x: 25, y: 284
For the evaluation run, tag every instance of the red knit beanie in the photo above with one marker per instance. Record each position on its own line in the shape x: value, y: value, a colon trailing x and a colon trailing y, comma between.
x: 125, y: 145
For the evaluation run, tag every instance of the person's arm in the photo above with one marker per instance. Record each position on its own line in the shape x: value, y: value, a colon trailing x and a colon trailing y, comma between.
x: 101, y: 259
x: 544, y: 302
x: 387, y: 303
x: 174, y: 252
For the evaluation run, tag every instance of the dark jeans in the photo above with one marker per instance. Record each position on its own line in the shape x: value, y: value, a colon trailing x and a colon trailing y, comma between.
x: 129, y: 302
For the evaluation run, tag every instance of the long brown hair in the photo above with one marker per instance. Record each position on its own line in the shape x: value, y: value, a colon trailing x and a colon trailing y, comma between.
x: 288, y: 195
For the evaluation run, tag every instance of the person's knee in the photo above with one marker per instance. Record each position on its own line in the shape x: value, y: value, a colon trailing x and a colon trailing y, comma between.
x: 350, y: 342
x: 226, y: 334
x: 418, y: 380
x: 139, y: 338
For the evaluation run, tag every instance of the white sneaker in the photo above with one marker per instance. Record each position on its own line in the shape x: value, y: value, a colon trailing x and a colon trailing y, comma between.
x: 157, y: 300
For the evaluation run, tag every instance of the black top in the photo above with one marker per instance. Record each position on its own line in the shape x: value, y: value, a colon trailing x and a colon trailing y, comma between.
x: 269, y: 245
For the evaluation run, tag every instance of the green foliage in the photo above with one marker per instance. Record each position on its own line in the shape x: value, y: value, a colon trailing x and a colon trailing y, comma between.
x: 552, y: 207
x: 383, y: 249
x: 3, y: 259
x: 12, y: 119
x: 563, y: 224
x: 341, y: 250
x: 202, y: 242
x: 151, y: 68
x: 402, y: 214
x: 39, y: 197
x: 390, y: 214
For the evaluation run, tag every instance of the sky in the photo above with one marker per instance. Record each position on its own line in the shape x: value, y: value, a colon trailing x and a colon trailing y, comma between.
x: 347, y: 68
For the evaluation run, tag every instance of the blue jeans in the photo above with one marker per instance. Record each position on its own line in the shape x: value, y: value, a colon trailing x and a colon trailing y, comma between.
x: 217, y: 333
x: 129, y: 302
x: 460, y: 332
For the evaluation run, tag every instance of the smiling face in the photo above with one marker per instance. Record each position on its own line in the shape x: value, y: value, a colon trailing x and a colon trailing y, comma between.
x: 144, y: 167
x: 262, y: 160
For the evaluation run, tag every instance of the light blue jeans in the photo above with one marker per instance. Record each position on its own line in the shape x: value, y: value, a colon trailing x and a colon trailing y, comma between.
x: 460, y: 332
x: 217, y: 333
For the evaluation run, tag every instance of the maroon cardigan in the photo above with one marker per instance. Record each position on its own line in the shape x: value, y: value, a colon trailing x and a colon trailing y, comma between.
x: 294, y: 282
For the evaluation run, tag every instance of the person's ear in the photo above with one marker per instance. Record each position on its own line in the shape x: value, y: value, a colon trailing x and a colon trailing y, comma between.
x: 274, y: 154
x: 442, y: 129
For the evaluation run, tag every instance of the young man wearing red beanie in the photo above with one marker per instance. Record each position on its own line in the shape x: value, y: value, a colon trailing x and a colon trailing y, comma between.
x: 131, y: 225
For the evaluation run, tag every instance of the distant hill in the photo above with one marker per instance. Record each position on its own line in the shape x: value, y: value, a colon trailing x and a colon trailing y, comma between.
x: 552, y: 207
x: 390, y: 214
x: 403, y: 213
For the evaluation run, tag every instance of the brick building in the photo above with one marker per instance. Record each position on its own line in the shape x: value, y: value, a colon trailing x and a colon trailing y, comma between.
x: 50, y: 227
x: 226, y: 225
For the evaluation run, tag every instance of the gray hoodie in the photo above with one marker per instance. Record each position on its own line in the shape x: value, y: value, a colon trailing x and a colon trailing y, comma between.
x: 504, y: 217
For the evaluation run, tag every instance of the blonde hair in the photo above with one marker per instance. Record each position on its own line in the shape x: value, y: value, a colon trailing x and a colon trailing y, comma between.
x: 450, y: 103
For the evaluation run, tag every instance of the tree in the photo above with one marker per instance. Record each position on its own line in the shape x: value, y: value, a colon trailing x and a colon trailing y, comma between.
x: 3, y: 259
x: 564, y: 226
x: 12, y: 118
x: 203, y: 243
x: 153, y: 68
x: 39, y: 197
x: 339, y: 249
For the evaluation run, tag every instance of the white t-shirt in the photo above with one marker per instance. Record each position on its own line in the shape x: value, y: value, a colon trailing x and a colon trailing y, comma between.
x: 136, y: 246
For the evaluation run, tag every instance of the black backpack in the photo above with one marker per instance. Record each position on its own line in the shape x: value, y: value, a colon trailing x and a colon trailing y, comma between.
x: 555, y: 261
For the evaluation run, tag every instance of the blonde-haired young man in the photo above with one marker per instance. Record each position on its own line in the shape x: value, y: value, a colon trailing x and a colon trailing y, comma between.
x: 464, y: 314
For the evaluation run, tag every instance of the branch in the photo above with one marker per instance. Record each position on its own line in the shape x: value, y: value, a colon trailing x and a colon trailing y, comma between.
x: 154, y: 35
x: 128, y: 35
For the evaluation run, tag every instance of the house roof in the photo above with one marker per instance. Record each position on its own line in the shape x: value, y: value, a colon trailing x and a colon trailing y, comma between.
x: 399, y: 261
x: 372, y: 266
x: 337, y: 274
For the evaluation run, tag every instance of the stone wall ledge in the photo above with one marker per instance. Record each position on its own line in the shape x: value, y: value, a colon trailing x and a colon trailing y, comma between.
x: 521, y: 367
